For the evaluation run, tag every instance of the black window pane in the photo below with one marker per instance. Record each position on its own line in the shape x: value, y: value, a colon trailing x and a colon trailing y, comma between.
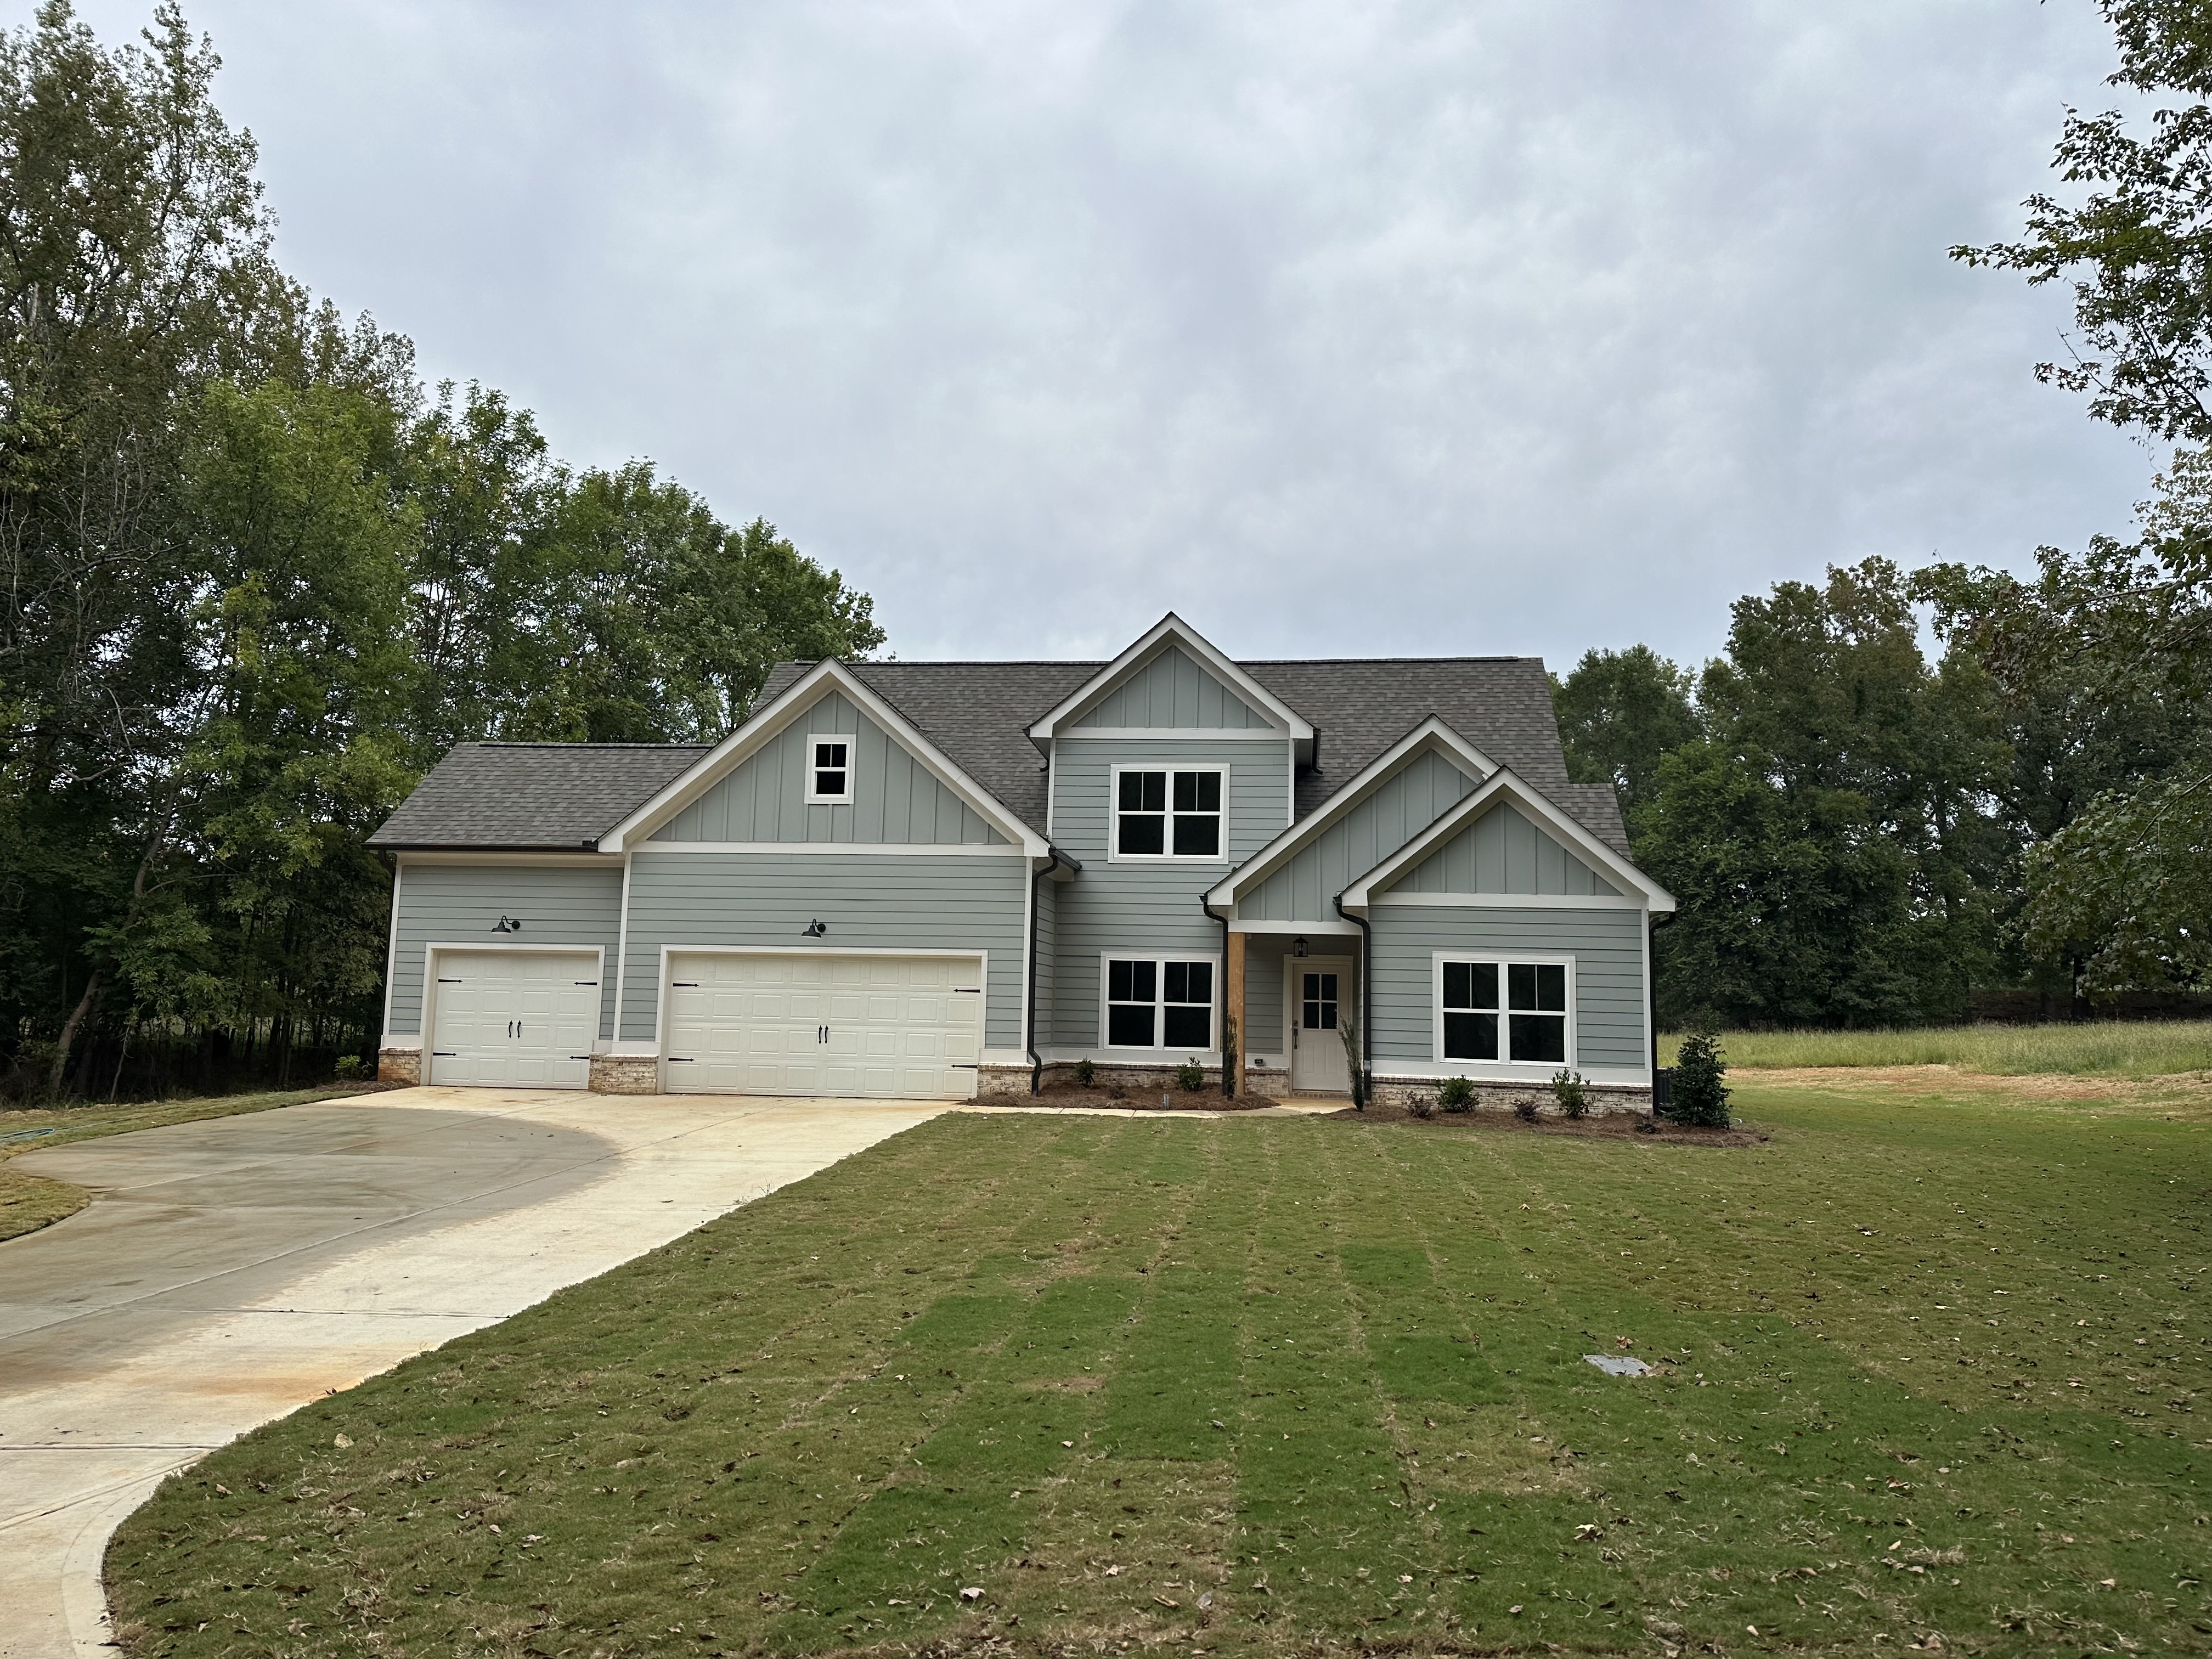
x: 1129, y: 1026
x: 1144, y: 982
x: 1198, y: 792
x: 1459, y: 985
x: 1539, y: 1037
x: 1328, y: 986
x: 1185, y: 792
x: 1188, y: 1029
x: 1178, y: 982
x: 1142, y: 832
x: 828, y: 754
x: 1483, y: 980
x: 1118, y: 981
x: 1328, y: 1020
x: 1132, y: 796
x: 1197, y: 837
x: 1156, y: 791
x: 1552, y: 986
x: 829, y: 783
x: 1470, y: 1036
x: 1521, y: 985
x: 1209, y: 791
x: 1201, y: 982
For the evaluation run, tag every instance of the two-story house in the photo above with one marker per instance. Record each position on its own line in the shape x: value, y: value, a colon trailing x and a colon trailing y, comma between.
x: 937, y: 879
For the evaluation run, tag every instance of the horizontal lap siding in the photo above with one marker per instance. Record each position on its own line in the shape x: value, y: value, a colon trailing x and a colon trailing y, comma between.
x: 1137, y: 907
x: 1047, y: 917
x: 1608, y: 946
x: 896, y: 799
x: 458, y: 903
x: 1404, y: 805
x: 1263, y: 997
x: 883, y: 900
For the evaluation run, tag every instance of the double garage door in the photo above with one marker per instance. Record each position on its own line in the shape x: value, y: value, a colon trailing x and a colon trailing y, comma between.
x: 523, y: 1018
x: 796, y: 1023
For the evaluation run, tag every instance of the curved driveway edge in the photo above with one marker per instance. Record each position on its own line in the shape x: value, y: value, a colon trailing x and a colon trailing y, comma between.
x: 232, y: 1269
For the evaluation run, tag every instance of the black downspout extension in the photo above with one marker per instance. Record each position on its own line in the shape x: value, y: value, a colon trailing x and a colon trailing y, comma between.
x: 1366, y: 1004
x: 1657, y: 920
x: 1228, y: 1070
x: 1037, y: 1061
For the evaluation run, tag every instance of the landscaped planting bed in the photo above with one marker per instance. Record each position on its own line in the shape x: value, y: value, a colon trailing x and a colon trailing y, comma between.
x: 1922, y: 1366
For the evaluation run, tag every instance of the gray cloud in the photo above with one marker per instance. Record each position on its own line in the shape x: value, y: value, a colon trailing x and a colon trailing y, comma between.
x: 1493, y: 327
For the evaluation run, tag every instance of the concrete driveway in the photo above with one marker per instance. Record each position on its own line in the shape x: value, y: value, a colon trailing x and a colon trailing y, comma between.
x: 232, y: 1270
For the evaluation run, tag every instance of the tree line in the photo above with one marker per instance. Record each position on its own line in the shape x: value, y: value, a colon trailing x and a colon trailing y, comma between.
x: 1863, y: 832
x: 257, y: 577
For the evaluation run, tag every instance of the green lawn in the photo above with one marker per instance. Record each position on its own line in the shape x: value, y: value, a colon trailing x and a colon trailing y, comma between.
x: 1252, y: 1385
x: 28, y: 1202
x: 2134, y: 1049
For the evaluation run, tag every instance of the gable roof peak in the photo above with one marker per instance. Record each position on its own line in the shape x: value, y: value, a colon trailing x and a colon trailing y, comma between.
x: 1169, y: 632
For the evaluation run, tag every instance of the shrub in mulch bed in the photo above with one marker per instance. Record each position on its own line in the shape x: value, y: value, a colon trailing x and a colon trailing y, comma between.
x: 1614, y: 1125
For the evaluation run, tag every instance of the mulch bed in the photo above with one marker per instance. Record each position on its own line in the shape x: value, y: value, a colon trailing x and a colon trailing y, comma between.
x: 1616, y: 1126
x: 1208, y: 1099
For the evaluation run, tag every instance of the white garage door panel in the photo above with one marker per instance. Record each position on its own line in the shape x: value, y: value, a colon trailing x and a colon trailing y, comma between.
x: 515, y: 1019
x: 904, y: 1028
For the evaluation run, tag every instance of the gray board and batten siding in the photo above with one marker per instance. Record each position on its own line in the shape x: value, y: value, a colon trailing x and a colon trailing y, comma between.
x: 1146, y: 906
x: 1608, y: 946
x: 1173, y: 691
x: 1503, y: 852
x: 459, y: 904
x: 883, y: 900
x: 895, y: 800
x: 1304, y: 888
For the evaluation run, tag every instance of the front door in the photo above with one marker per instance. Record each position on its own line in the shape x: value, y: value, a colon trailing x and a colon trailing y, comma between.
x: 1320, y: 990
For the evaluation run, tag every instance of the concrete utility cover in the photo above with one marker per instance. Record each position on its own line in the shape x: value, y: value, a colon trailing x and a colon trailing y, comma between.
x: 1618, y: 1365
x: 232, y: 1270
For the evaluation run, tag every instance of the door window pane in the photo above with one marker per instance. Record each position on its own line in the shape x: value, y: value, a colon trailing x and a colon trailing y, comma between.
x: 1318, y: 997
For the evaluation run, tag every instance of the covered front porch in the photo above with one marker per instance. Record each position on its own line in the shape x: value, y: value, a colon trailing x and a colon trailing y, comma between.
x: 1291, y: 994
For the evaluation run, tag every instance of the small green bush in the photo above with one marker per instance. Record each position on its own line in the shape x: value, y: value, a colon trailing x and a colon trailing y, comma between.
x: 1525, y: 1109
x: 1699, y: 1096
x: 351, y: 1068
x: 1572, y: 1094
x: 1456, y: 1095
x: 1085, y: 1072
x: 1421, y: 1107
x: 1190, y: 1077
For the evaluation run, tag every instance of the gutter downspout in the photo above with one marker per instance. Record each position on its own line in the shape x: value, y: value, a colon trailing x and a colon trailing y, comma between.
x: 1228, y: 1071
x: 1366, y: 1002
x: 1037, y: 1061
x: 1651, y: 991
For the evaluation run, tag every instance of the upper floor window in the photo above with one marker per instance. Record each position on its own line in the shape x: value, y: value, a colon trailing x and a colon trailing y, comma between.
x: 1173, y: 812
x: 1528, y: 1023
x: 829, y: 769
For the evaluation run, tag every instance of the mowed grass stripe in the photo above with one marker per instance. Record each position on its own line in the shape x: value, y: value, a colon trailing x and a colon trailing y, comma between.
x: 802, y: 1428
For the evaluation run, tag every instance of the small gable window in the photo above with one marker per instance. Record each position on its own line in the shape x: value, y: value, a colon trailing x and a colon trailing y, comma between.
x: 1496, y: 1010
x: 1168, y: 813
x: 829, y: 769
x: 1159, y: 1003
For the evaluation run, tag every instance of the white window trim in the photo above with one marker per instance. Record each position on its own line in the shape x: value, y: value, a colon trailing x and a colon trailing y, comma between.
x: 851, y: 753
x: 1161, y: 957
x: 1116, y: 855
x: 1503, y: 958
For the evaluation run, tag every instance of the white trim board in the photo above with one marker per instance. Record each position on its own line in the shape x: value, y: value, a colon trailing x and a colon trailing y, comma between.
x: 932, y: 848
x: 1508, y: 901
x: 1430, y: 735
x: 796, y: 699
x: 536, y: 861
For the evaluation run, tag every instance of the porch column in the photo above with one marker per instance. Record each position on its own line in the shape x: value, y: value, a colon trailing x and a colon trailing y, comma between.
x: 1234, y: 1001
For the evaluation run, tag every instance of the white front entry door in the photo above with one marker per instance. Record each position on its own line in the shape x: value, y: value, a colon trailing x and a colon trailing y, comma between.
x: 805, y: 1023
x: 1320, y: 993
x: 521, y: 1019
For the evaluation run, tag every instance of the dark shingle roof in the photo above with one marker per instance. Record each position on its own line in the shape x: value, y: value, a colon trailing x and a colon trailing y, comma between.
x: 536, y: 797
x: 979, y: 713
x: 562, y: 796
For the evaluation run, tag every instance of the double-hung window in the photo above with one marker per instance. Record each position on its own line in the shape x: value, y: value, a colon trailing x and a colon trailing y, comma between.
x: 1172, y: 812
x: 1496, y: 1010
x: 829, y: 771
x: 1159, y: 1002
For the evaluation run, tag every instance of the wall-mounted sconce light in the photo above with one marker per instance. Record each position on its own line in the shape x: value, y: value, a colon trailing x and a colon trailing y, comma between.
x: 506, y: 925
x: 816, y: 928
x: 1299, y: 945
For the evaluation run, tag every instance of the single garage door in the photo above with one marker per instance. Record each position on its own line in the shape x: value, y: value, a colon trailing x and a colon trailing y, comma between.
x: 795, y: 1023
x: 524, y: 1018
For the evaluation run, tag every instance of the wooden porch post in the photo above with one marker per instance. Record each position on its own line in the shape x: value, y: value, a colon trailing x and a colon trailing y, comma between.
x: 1234, y: 1000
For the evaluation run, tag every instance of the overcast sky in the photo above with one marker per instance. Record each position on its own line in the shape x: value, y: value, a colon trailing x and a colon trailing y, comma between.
x: 1512, y: 326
